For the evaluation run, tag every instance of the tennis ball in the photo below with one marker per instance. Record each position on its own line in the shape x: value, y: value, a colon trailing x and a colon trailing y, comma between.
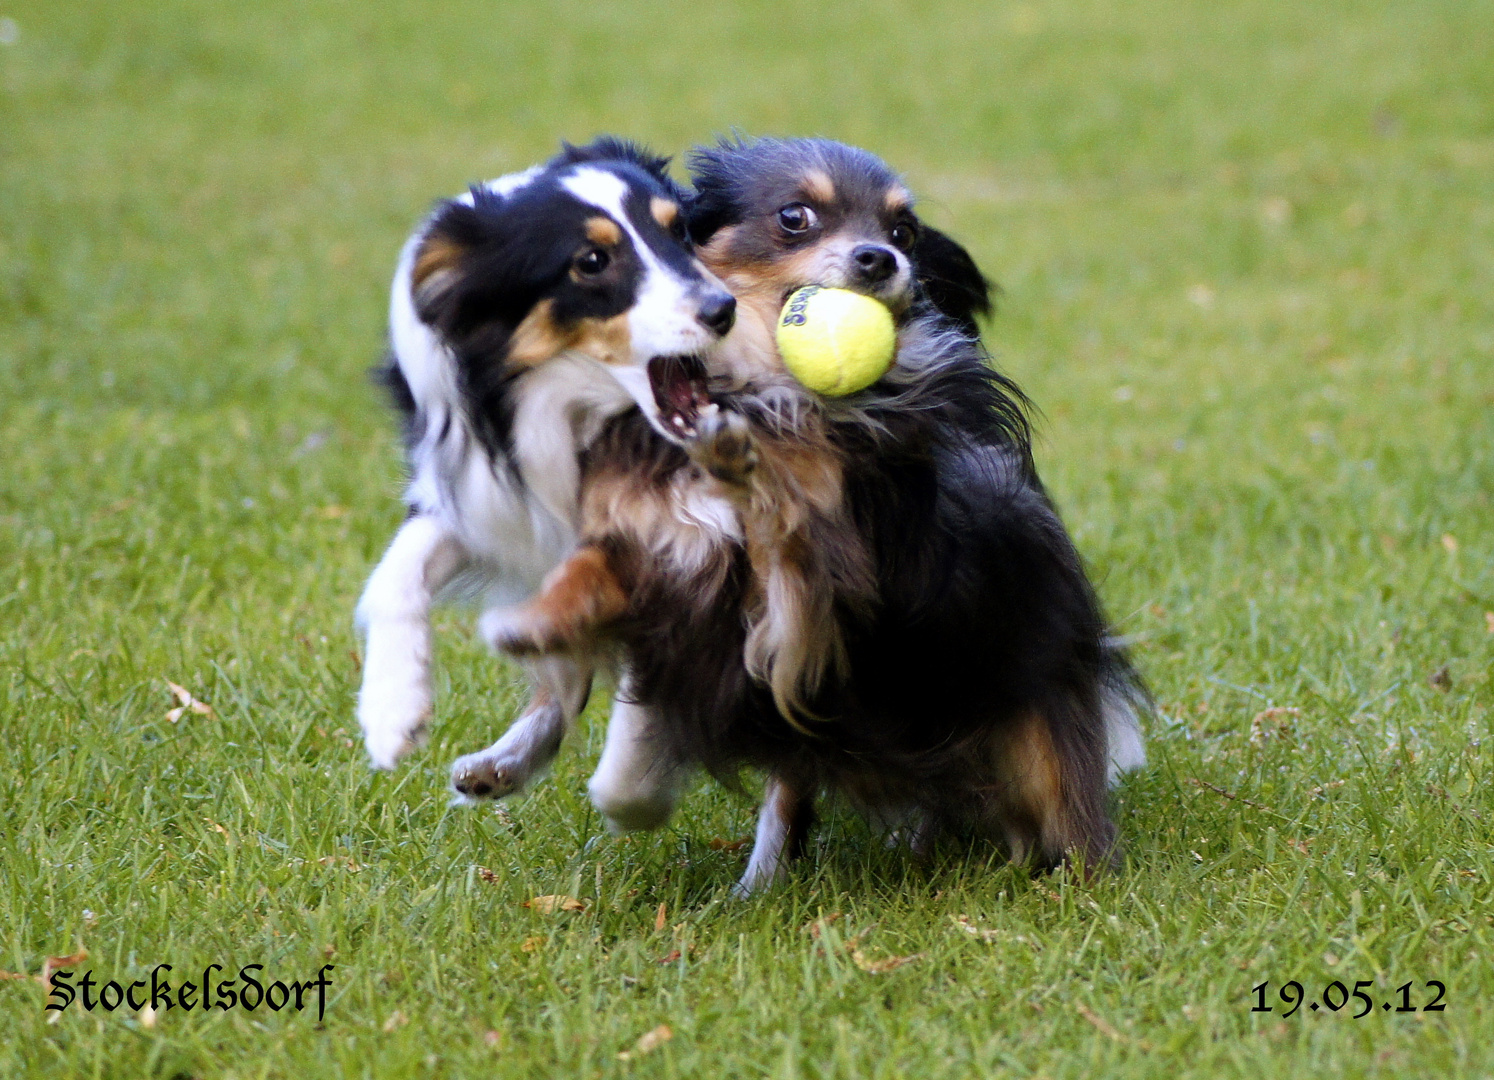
x: 835, y: 341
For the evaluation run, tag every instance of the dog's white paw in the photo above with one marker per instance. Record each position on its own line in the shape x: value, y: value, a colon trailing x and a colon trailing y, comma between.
x: 639, y: 816
x: 491, y: 774
x: 395, y: 715
x: 513, y: 762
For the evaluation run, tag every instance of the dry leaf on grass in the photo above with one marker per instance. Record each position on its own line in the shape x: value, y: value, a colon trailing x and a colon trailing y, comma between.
x: 967, y: 924
x: 1489, y: 621
x: 1321, y: 788
x: 340, y: 860
x: 1273, y: 723
x: 669, y: 957
x: 1104, y: 1027
x: 188, y: 703
x: 883, y: 966
x: 57, y: 963
x: 661, y: 917
x: 718, y: 844
x: 875, y: 967
x: 817, y: 927
x: 532, y: 944
x: 549, y: 905
x: 396, y: 1019
x: 487, y: 875
x: 148, y: 1016
x: 493, y: 1038
x: 647, y: 1042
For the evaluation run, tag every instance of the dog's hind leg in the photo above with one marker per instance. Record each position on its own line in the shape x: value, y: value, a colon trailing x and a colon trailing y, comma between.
x: 576, y: 601
x: 532, y: 741
x: 637, y: 782
x: 1051, y: 802
x: 782, y: 827
x: 394, y: 703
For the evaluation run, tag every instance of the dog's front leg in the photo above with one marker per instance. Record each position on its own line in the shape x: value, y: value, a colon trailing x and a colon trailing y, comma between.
x: 782, y: 827
x: 530, y: 744
x: 394, y: 703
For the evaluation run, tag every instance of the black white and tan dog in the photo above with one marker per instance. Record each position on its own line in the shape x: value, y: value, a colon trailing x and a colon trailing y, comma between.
x: 524, y: 316
x: 897, y: 615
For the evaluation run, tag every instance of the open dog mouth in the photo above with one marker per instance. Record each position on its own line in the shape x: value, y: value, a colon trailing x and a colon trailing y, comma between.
x: 679, y: 387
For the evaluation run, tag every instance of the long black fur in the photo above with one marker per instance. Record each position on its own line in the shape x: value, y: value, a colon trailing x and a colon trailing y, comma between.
x: 983, y: 615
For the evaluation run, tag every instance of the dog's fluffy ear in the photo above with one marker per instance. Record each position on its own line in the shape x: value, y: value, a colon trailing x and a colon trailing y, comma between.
x: 454, y: 233
x: 950, y: 279
x: 462, y: 279
x: 715, y: 202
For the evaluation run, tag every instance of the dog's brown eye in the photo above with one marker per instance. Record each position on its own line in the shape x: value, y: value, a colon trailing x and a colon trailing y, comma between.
x: 592, y: 262
x: 797, y: 218
x: 904, y: 235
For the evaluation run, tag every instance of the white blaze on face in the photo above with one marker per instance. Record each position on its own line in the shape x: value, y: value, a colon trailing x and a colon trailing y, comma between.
x: 663, y: 320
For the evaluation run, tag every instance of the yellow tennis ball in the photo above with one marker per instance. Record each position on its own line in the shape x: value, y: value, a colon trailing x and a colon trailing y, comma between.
x: 835, y: 341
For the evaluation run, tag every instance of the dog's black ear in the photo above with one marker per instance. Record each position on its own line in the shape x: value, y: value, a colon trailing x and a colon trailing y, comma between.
x: 612, y: 148
x: 440, y: 259
x: 950, y: 279
x: 467, y: 278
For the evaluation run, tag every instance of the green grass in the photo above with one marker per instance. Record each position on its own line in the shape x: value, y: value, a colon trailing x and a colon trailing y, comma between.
x: 1248, y: 258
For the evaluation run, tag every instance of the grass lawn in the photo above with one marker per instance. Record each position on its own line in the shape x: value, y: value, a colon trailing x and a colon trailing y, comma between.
x: 1247, y: 251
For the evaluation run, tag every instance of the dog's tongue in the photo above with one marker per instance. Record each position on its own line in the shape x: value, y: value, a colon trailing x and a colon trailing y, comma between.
x: 678, y: 384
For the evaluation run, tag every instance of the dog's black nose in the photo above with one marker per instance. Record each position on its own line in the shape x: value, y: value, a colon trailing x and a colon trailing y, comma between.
x: 874, y: 263
x: 718, y: 312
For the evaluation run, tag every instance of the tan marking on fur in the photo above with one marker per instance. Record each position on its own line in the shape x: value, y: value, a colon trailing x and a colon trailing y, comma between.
x: 805, y: 556
x: 538, y: 338
x: 576, y: 601
x: 603, y: 230
x: 897, y: 199
x: 674, y: 521
x: 665, y: 211
x: 750, y: 353
x: 607, y: 340
x: 818, y: 186
x: 1034, y: 810
x: 792, y: 508
x: 436, y: 254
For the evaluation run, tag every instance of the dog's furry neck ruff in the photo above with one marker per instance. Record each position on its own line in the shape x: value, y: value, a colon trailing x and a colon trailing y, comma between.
x: 812, y: 558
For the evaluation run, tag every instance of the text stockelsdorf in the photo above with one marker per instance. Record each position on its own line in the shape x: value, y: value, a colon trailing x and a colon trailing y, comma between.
x: 213, y: 991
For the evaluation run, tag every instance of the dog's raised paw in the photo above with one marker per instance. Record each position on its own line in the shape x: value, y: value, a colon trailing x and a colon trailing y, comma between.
x: 487, y: 775
x: 723, y: 446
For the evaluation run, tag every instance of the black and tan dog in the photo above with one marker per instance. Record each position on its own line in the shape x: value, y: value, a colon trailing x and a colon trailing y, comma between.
x: 897, y: 614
